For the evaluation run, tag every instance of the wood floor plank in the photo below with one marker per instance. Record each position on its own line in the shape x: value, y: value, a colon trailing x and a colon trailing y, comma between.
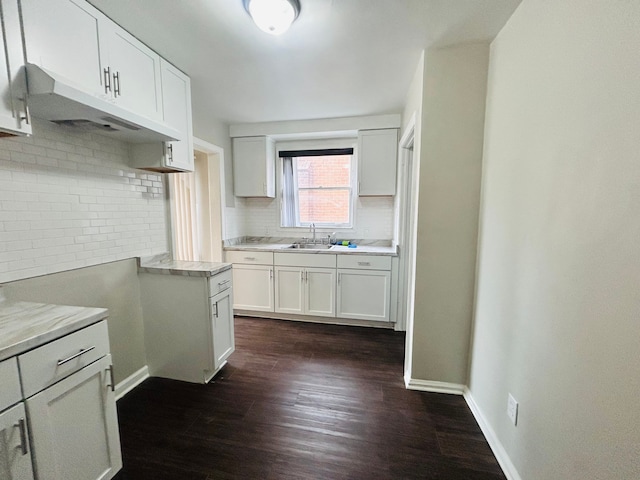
x: 302, y: 401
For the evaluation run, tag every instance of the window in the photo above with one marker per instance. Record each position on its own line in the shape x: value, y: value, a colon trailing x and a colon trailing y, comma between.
x: 317, y: 187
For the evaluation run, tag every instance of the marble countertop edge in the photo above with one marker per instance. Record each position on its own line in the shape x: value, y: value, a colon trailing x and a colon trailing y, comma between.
x: 27, y: 325
x: 164, y: 265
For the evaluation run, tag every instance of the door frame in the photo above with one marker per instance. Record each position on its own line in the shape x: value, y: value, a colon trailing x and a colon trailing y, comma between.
x: 406, y: 237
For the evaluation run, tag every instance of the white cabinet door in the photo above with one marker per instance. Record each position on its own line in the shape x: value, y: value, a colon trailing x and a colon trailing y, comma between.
x: 176, y: 106
x: 377, y: 158
x: 63, y: 36
x: 14, y: 118
x: 253, y: 167
x: 223, y: 331
x: 289, y: 290
x: 320, y: 287
x: 15, y: 458
x: 364, y: 294
x: 74, y: 426
x: 253, y: 287
x: 135, y: 73
x: 309, y: 291
x: 176, y: 100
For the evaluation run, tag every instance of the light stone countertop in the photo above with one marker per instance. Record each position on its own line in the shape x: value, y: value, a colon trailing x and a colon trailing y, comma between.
x: 164, y: 265
x: 336, y: 249
x: 26, y: 325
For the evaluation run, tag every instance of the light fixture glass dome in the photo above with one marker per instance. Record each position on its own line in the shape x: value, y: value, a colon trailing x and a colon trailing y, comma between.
x: 273, y: 16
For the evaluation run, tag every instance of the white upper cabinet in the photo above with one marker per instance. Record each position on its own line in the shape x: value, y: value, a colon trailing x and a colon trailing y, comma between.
x: 176, y: 104
x: 176, y: 97
x: 73, y: 39
x: 14, y: 117
x: 64, y: 36
x: 377, y: 159
x: 254, y: 167
x: 135, y: 73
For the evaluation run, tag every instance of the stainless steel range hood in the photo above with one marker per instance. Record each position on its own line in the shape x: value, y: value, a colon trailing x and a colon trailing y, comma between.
x: 53, y: 98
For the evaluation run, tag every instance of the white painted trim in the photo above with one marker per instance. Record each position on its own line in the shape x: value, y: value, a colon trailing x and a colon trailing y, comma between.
x: 131, y: 382
x: 325, y: 126
x: 500, y: 453
x: 203, y: 146
x: 433, y: 386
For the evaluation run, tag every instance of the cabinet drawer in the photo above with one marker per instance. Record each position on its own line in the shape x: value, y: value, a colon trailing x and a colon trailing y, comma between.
x: 255, y: 258
x: 10, y: 393
x: 56, y: 360
x: 220, y: 282
x: 305, y: 260
x: 365, y: 262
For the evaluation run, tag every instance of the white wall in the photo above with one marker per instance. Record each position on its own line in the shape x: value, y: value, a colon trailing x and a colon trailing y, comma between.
x: 68, y: 199
x: 557, y: 320
x: 451, y: 140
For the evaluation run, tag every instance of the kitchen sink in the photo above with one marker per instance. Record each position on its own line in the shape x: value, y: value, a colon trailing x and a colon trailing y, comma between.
x: 310, y: 246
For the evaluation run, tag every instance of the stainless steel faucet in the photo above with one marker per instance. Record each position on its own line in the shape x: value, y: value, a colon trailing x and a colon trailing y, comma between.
x: 312, y: 228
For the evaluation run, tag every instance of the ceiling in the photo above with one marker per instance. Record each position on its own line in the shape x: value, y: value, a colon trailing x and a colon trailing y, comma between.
x: 340, y: 58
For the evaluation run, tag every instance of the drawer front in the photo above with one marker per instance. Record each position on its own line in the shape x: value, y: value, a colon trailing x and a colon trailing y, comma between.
x: 221, y: 282
x: 255, y: 258
x: 305, y: 260
x: 10, y: 392
x: 56, y: 360
x: 364, y: 262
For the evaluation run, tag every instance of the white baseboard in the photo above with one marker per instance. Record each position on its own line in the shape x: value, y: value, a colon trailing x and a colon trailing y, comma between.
x: 131, y: 382
x: 496, y: 446
x: 431, y: 386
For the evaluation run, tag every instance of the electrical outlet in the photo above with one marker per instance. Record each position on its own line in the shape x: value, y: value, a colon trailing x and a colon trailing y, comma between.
x: 512, y: 409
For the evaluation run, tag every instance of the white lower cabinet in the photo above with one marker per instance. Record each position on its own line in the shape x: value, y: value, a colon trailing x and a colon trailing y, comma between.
x: 308, y: 291
x: 364, y: 294
x: 15, y: 452
x: 252, y: 280
x: 223, y: 331
x: 62, y: 424
x: 74, y: 426
x: 188, y: 324
x: 254, y: 290
x: 305, y: 284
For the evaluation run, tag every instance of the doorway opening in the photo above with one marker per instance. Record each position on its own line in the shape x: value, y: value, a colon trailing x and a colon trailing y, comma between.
x: 196, y: 199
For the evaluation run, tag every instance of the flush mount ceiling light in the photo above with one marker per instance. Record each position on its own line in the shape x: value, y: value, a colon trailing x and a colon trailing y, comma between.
x: 273, y: 16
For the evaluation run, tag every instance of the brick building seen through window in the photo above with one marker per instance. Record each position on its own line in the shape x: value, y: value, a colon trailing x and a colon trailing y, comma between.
x: 324, y: 189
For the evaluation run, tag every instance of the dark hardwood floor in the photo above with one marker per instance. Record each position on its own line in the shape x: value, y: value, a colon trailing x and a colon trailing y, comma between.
x: 302, y: 401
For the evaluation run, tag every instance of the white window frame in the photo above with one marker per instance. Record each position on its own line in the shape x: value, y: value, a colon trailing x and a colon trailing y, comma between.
x: 320, y: 145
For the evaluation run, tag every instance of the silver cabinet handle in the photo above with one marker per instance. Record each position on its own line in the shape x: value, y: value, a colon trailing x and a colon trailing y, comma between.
x: 22, y: 426
x: 339, y: 276
x: 75, y: 355
x: 112, y: 385
x: 306, y: 276
x: 170, y: 152
x: 27, y: 116
x: 116, y: 84
x: 223, y: 283
x: 216, y: 312
x: 364, y: 264
x: 271, y: 274
x: 302, y: 276
x: 251, y: 259
x: 107, y: 80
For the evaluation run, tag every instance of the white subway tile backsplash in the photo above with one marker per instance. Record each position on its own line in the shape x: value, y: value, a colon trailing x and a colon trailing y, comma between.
x: 373, y: 220
x: 68, y: 199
